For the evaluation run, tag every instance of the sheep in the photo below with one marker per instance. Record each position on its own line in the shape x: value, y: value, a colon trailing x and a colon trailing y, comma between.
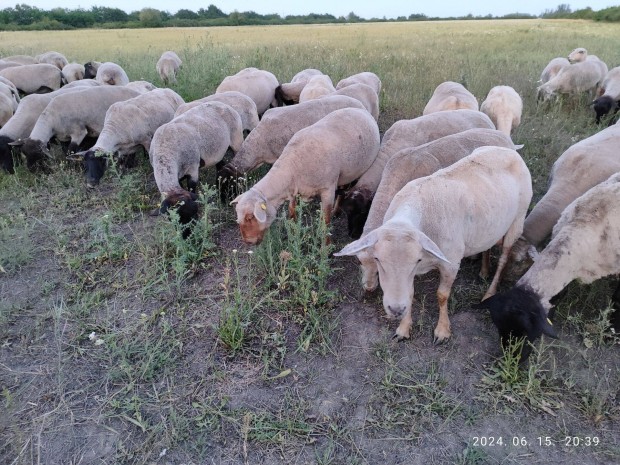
x: 21, y: 59
x: 111, y: 74
x: 243, y: 104
x: 278, y: 125
x: 9, y: 100
x: 579, y: 55
x: 436, y: 221
x: 83, y: 83
x: 450, y: 96
x: 21, y: 124
x: 257, y: 84
x: 342, y: 145
x: 581, y: 77
x: 128, y: 125
x: 581, y: 167
x: 404, y: 134
x: 608, y: 94
x: 201, y: 135
x: 71, y: 116
x: 141, y: 86
x: 416, y: 162
x: 317, y: 87
x: 90, y: 69
x: 288, y: 93
x: 504, y: 106
x: 31, y: 79
x: 8, y: 64
x: 585, y: 246
x: 366, y: 77
x: 53, y: 58
x: 73, y: 72
x: 553, y: 68
x: 365, y: 94
x: 168, y: 66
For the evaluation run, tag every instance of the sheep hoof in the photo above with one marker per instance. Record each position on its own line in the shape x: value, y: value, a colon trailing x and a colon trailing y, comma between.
x: 401, y: 334
x: 440, y: 336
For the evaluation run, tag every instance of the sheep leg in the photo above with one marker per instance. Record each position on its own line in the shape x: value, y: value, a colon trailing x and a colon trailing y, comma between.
x: 442, y: 330
x: 292, y: 209
x: 485, y: 265
x: 76, y: 140
x: 503, y: 259
x: 404, y: 328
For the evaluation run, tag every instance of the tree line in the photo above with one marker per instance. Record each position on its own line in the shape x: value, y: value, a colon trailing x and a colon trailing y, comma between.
x: 25, y: 17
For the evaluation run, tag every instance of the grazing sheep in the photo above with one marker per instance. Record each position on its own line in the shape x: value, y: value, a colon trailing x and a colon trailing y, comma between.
x: 73, y: 72
x: 9, y: 100
x: 90, y: 69
x: 450, y: 96
x: 53, y: 58
x: 585, y: 246
x: 288, y: 93
x: 201, y: 135
x: 581, y: 77
x: 404, y: 134
x: 8, y: 64
x: 581, y: 167
x: 83, y: 83
x: 436, y: 221
x: 111, y: 74
x: 71, y: 116
x: 243, y: 104
x: 365, y: 94
x: 34, y: 79
x: 366, y: 77
x: 168, y: 66
x: 553, y: 68
x: 21, y: 59
x: 278, y: 125
x: 317, y: 87
x: 141, y: 86
x: 128, y: 126
x: 21, y: 124
x: 257, y: 84
x: 413, y: 163
x: 504, y: 106
x: 608, y: 94
x: 342, y: 145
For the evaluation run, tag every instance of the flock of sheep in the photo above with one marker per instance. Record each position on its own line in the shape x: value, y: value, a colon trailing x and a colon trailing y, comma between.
x: 433, y: 190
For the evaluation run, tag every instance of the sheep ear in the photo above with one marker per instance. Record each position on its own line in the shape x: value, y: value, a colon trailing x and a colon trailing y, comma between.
x: 357, y: 246
x: 486, y: 303
x: 236, y: 200
x: 17, y: 143
x: 427, y: 244
x: 519, y: 147
x: 548, y: 329
x: 260, y: 211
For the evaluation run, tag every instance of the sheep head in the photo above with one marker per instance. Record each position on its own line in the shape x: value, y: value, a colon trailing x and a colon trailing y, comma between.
x: 356, y: 205
x: 186, y: 206
x: 519, y: 313
x: 400, y: 253
x: 254, y: 216
x: 6, y: 155
x: 36, y: 152
x: 578, y: 55
x: 603, y: 105
x: 95, y: 162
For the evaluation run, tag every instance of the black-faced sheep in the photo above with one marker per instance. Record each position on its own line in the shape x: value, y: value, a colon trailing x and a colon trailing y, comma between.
x: 585, y: 246
x: 608, y: 99
x: 343, y: 145
x: 436, y: 221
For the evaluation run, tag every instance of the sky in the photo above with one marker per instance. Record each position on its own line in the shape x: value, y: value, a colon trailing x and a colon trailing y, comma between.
x: 365, y: 9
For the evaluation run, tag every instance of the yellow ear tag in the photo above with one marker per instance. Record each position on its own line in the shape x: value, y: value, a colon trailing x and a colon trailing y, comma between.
x: 263, y: 206
x: 549, y: 321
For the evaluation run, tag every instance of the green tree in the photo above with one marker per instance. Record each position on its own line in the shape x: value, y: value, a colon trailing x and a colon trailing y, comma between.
x: 150, y: 17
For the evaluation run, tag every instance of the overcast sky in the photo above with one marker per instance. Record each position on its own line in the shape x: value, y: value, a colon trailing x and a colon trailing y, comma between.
x: 365, y: 9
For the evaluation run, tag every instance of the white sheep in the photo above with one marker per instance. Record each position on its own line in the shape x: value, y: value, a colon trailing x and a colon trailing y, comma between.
x: 578, y: 55
x: 585, y: 246
x: 289, y: 92
x: 450, y: 96
x: 580, y: 77
x: 168, y: 66
x: 365, y: 77
x: 8, y: 64
x: 73, y: 72
x: 608, y: 94
x: 341, y: 145
x: 436, y: 221
x: 504, y: 106
x: 553, y: 68
x: 31, y: 79
x: 201, y: 135
x: 365, y: 94
x: 257, y: 84
x: 82, y: 83
x: 278, y: 125
x: 21, y: 59
x: 581, y: 167
x: 403, y: 134
x: 243, y: 104
x: 141, y: 86
x: 317, y: 86
x: 53, y: 58
x: 111, y: 74
x: 9, y: 100
x: 71, y: 117
x: 128, y: 126
x: 416, y: 162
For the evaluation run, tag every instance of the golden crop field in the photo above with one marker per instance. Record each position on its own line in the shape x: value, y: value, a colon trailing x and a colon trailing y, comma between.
x: 122, y: 343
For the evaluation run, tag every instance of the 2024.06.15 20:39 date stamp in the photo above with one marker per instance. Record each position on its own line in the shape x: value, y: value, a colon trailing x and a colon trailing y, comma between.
x: 542, y: 441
